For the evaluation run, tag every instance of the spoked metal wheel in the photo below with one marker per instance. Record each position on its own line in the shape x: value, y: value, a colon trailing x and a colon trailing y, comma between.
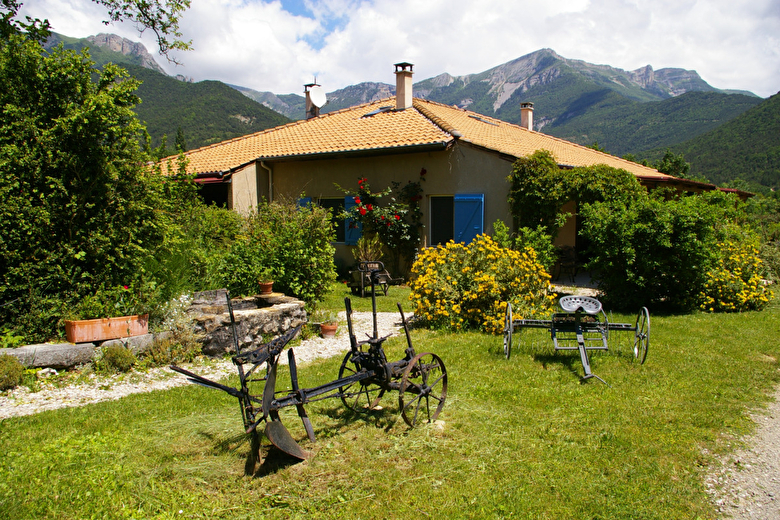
x: 362, y: 396
x: 508, y: 325
x: 642, y: 335
x: 423, y: 389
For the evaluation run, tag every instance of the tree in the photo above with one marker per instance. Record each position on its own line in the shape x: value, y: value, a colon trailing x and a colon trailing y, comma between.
x: 159, y: 16
x: 673, y: 165
x: 79, y: 210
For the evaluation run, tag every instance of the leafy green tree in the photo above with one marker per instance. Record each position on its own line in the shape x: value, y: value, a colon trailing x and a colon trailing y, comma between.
x: 673, y: 165
x: 597, y: 147
x: 69, y: 161
x: 181, y: 141
x: 79, y: 210
x: 159, y: 16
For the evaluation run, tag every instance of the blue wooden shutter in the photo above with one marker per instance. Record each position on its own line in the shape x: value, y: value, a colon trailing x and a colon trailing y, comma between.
x: 469, y: 210
x: 352, y: 229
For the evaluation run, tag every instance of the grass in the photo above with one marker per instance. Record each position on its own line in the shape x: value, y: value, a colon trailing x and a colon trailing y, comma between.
x: 334, y: 300
x: 522, y: 438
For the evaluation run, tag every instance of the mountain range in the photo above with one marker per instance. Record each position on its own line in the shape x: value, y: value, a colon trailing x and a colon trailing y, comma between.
x: 641, y: 112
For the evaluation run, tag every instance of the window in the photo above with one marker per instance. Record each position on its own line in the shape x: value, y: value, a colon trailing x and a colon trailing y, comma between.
x: 459, y: 218
x: 214, y: 193
x: 442, y: 222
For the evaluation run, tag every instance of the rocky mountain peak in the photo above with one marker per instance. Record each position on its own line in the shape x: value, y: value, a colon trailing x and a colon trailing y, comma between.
x: 127, y: 47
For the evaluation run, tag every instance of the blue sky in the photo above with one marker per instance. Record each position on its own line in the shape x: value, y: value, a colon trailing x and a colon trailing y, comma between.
x: 279, y: 46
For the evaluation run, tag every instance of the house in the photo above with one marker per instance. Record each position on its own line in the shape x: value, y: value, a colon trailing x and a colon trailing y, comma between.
x: 467, y: 157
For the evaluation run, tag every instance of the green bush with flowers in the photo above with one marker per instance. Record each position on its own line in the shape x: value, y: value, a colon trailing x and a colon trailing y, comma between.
x: 393, y: 215
x: 458, y: 287
x: 734, y: 284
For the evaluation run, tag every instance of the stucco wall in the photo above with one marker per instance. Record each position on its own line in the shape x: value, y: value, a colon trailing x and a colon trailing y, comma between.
x: 243, y: 193
x: 567, y: 235
x: 458, y: 170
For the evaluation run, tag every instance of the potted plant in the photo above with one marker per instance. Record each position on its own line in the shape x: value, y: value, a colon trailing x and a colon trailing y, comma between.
x: 116, y: 312
x: 328, y: 323
x: 266, y: 281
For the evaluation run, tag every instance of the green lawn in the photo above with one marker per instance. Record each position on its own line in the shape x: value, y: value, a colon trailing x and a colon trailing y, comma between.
x: 520, y: 438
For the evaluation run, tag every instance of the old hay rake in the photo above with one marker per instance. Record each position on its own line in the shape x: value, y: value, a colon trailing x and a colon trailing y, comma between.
x: 582, y: 326
x: 364, y: 377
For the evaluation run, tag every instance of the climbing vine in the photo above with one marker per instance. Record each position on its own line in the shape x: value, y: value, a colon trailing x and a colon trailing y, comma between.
x: 540, y: 188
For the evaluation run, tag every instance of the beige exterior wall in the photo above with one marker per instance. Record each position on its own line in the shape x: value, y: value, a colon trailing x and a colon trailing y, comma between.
x: 567, y: 235
x: 243, y: 192
x: 459, y: 170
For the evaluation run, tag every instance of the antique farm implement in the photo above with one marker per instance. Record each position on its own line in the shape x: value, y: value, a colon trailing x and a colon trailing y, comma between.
x: 583, y: 326
x: 364, y: 377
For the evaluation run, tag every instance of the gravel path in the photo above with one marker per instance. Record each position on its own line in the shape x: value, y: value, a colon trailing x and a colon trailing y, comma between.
x: 94, y: 389
x: 746, y: 485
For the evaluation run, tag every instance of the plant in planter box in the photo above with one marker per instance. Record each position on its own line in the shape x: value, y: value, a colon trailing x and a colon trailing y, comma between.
x: 111, y: 312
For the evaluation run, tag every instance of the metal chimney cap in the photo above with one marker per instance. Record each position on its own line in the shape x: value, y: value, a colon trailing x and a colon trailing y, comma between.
x: 401, y: 67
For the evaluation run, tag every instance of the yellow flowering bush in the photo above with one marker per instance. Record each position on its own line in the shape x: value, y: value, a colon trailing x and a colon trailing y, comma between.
x: 734, y: 284
x: 458, y: 286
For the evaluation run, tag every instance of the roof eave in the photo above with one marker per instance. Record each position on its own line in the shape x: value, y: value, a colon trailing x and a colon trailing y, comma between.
x: 363, y: 152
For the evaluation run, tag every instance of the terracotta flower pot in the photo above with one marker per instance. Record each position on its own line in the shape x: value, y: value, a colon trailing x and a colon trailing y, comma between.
x: 266, y: 287
x: 328, y: 330
x: 87, y: 331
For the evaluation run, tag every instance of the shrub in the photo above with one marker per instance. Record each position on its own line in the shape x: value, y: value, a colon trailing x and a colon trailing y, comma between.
x: 367, y: 248
x: 525, y: 238
x: 115, y: 358
x: 540, y: 188
x: 457, y: 286
x: 182, y: 344
x: 294, y: 241
x: 654, y: 251
x: 397, y: 221
x: 172, y: 350
x: 734, y: 283
x: 11, y: 372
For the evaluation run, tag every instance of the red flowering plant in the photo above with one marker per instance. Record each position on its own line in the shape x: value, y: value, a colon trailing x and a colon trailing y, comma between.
x: 397, y: 222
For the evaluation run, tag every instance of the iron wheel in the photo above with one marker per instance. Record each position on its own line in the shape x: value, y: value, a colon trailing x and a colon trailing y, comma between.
x: 642, y: 335
x: 508, y: 326
x: 423, y: 389
x: 361, y: 396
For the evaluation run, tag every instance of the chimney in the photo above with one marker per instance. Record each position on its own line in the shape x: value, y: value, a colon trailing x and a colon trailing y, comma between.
x: 312, y: 108
x: 403, y: 86
x: 527, y: 115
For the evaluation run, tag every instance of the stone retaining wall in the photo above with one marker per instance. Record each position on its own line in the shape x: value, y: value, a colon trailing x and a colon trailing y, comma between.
x: 258, y: 320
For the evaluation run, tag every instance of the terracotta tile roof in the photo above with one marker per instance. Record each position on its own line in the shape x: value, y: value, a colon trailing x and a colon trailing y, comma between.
x: 377, y: 126
x: 355, y: 129
x: 517, y: 141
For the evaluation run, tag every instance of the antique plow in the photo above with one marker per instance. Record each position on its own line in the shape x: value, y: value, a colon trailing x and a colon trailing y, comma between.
x: 364, y: 377
x: 583, y: 326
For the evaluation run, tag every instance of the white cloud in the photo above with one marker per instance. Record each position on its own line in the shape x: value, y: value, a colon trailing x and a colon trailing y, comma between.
x: 731, y: 43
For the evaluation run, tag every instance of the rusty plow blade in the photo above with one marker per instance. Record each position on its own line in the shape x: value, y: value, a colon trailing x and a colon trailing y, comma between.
x: 281, y: 438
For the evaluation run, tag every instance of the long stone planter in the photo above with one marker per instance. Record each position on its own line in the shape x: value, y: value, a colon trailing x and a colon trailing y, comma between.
x: 89, y: 331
